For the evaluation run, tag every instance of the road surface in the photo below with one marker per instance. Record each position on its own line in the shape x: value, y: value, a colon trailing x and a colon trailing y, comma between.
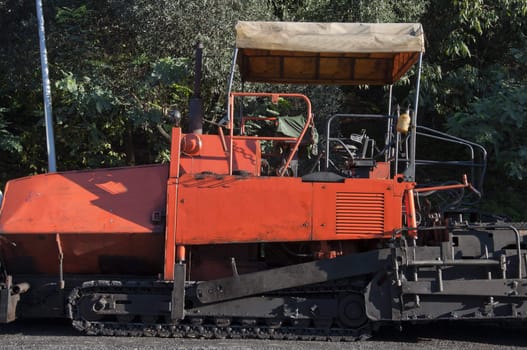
x: 58, y: 335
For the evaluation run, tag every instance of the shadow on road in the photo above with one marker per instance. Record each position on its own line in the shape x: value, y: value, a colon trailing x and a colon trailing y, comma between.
x: 41, y: 327
x: 485, y: 333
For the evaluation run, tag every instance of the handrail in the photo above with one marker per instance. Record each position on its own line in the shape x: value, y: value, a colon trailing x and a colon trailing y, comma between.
x: 438, y: 135
x: 398, y: 233
x: 274, y: 98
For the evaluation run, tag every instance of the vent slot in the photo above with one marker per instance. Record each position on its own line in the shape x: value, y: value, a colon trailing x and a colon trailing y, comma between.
x: 359, y: 213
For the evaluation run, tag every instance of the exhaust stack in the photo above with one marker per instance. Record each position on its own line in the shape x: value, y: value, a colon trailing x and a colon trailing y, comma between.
x: 196, y: 103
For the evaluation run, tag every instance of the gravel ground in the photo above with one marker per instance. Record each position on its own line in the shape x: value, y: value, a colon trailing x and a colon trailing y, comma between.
x: 59, y: 335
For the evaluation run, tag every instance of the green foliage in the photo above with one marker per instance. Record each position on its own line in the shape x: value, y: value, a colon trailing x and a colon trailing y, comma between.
x: 93, y: 111
x: 161, y: 89
x: 479, y: 46
x: 79, y: 118
x: 349, y: 11
x: 168, y: 71
x: 174, y: 27
x: 497, y: 118
x: 8, y: 141
x: 66, y: 15
x: 497, y: 121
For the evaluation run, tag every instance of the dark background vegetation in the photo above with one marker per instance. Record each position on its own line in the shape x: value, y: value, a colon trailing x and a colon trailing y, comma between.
x: 118, y: 67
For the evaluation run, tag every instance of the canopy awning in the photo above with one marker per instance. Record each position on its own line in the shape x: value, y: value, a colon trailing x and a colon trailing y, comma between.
x: 327, y: 53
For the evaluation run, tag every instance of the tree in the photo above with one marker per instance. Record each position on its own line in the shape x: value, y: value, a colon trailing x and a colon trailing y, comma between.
x: 476, y: 55
x: 118, y: 68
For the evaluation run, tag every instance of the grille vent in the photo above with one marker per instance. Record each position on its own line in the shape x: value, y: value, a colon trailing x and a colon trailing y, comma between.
x: 359, y: 213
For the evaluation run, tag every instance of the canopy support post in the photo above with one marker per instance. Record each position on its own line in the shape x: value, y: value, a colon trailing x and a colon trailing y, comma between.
x: 410, y: 171
x: 229, y: 86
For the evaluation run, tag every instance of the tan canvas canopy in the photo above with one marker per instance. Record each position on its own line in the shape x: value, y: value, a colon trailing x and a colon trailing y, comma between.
x: 327, y: 53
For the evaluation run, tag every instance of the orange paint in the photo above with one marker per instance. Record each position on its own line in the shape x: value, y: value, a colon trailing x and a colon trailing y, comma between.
x: 119, y: 200
x: 274, y: 97
x: 107, y: 218
x: 180, y: 249
x: 229, y: 209
x: 410, y: 212
x: 212, y: 156
x: 170, y: 233
x: 99, y: 220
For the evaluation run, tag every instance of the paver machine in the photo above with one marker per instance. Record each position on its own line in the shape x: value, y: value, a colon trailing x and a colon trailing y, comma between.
x: 268, y: 228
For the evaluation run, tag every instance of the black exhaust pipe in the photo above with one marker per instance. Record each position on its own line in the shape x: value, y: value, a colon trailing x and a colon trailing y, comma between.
x: 196, y: 103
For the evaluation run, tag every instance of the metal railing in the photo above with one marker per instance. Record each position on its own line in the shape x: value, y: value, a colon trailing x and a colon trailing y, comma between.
x: 274, y: 97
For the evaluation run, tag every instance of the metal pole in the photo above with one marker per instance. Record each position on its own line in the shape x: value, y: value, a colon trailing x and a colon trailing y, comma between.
x: 411, y: 173
x: 389, y: 127
x: 231, y: 80
x: 46, y: 90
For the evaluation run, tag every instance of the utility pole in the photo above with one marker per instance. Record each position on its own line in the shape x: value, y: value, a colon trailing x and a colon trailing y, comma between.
x: 46, y: 90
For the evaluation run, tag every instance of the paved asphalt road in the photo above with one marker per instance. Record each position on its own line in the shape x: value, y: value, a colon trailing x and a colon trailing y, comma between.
x: 58, y: 335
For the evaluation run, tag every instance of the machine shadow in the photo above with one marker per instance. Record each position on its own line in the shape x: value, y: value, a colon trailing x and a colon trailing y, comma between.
x: 483, y: 333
